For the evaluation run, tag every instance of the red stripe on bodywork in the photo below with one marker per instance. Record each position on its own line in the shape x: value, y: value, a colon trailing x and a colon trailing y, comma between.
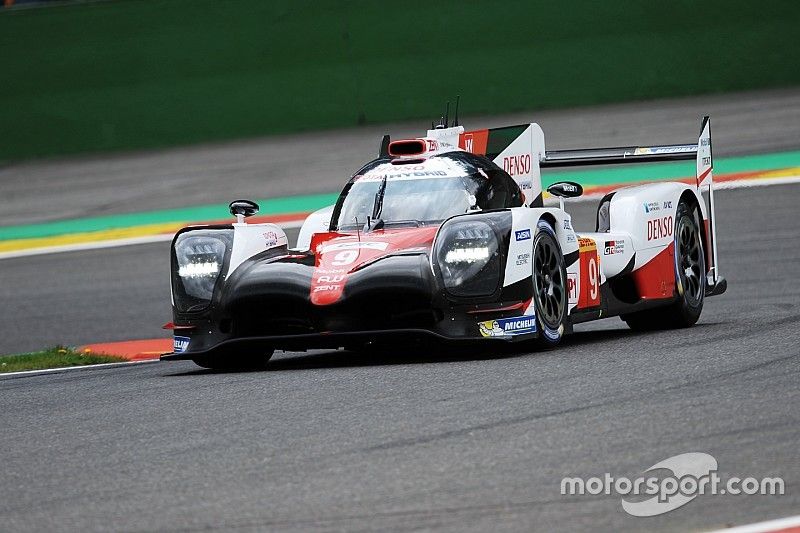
x: 656, y: 278
x: 338, y: 255
x: 474, y: 141
x: 702, y: 176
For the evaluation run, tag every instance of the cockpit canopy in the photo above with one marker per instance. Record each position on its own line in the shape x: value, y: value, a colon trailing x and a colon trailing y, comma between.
x: 419, y: 192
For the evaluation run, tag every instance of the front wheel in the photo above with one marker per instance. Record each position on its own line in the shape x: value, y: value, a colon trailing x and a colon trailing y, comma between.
x: 549, y: 286
x: 690, y: 278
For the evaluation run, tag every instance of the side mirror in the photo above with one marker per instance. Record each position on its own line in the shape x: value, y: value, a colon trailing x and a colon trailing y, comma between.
x: 565, y: 189
x: 242, y: 209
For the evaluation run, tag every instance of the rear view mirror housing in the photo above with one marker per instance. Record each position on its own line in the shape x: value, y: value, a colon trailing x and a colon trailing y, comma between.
x: 565, y: 189
x: 242, y: 209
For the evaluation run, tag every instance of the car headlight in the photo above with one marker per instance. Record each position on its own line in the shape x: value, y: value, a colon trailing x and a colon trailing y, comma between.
x: 468, y: 256
x: 198, y: 259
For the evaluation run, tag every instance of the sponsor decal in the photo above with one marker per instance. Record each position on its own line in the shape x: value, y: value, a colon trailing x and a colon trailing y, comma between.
x: 517, y: 165
x: 331, y: 271
x: 652, y: 150
x: 503, y: 327
x: 567, y: 224
x: 180, y: 344
x: 331, y: 279
x: 668, y: 205
x: 323, y: 288
x: 566, y: 187
x: 270, y: 239
x: 586, y: 244
x: 659, y: 228
x: 614, y: 247
x: 468, y: 142
x: 650, y: 207
x: 433, y: 145
x: 570, y: 237
x: 358, y: 245
x: 406, y: 175
x: 523, y: 259
x: 522, y: 235
x: 572, y: 287
x: 526, y: 185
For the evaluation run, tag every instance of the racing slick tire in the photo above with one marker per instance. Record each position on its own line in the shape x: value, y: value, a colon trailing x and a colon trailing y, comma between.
x: 231, y: 362
x: 549, y: 287
x: 690, y: 278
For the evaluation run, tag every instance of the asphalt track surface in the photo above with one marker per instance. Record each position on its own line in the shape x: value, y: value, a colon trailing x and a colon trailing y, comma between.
x: 419, y: 440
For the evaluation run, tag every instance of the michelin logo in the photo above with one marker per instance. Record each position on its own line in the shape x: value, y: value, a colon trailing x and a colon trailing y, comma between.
x: 503, y: 327
x: 180, y: 344
x: 522, y: 235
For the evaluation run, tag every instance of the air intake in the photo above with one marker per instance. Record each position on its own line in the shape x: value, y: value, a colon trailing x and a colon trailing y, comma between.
x: 407, y: 147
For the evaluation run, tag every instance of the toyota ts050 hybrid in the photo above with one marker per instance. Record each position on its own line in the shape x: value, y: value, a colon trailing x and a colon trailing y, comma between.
x: 446, y: 237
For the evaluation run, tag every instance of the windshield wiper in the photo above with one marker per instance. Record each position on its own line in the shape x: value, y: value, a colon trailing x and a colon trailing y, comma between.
x: 375, y: 222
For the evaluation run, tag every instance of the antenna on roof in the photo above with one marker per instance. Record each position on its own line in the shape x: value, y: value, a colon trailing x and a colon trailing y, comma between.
x: 447, y: 114
x: 455, y: 119
x: 384, y: 149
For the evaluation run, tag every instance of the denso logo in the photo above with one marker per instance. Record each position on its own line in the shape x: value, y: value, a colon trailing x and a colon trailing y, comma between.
x: 517, y: 165
x: 522, y: 235
x: 659, y: 228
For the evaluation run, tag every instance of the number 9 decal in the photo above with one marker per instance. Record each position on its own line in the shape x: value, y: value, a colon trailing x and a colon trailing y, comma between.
x: 345, y: 257
x: 594, y: 282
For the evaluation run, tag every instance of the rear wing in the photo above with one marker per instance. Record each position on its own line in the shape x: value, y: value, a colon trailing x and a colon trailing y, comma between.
x: 700, y: 152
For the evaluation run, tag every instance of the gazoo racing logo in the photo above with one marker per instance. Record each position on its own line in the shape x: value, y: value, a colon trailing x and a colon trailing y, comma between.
x: 660, y: 228
x: 614, y: 247
x: 507, y: 326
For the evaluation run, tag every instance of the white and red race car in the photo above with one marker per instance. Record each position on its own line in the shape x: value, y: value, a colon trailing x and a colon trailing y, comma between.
x: 446, y: 237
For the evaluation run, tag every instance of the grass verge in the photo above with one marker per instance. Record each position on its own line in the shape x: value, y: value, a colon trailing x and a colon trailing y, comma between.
x: 57, y: 357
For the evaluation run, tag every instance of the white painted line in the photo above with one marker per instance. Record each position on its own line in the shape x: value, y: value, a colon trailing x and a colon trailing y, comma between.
x: 94, y: 245
x: 113, y: 243
x: 763, y: 182
x: 24, y: 373
x: 764, y: 527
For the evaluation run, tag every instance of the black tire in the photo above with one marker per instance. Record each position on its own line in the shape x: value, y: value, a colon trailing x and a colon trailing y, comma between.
x: 690, y: 278
x: 233, y: 362
x: 549, y: 287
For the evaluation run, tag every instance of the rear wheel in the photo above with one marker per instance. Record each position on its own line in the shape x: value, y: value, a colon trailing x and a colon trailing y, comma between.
x: 234, y: 362
x: 549, y: 286
x: 690, y: 278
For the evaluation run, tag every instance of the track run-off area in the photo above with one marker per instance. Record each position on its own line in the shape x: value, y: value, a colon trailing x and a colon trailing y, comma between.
x: 426, y: 440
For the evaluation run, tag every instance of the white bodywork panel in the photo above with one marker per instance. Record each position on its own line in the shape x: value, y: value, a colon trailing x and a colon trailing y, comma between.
x: 252, y: 239
x: 317, y: 222
x: 647, y: 214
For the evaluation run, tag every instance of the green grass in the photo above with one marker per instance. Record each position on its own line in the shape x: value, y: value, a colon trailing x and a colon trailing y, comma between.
x: 152, y: 73
x: 57, y: 357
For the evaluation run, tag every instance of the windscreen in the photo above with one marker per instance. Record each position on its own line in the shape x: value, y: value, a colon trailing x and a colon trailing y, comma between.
x: 410, y: 194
